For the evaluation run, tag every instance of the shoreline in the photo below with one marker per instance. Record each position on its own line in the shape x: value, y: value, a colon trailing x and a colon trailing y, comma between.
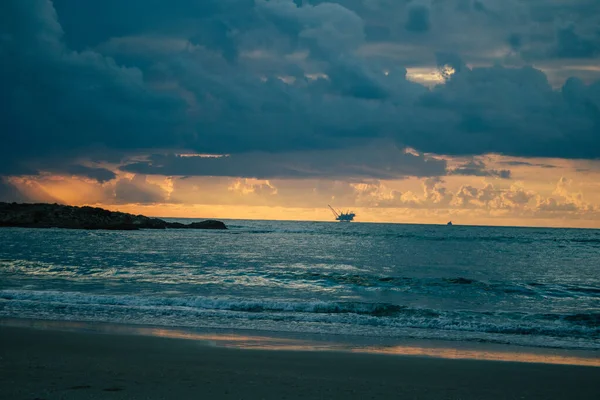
x: 47, y: 364
x: 304, y: 342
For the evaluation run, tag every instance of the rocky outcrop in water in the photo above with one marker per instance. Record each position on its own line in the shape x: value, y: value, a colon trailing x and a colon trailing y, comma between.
x: 71, y: 217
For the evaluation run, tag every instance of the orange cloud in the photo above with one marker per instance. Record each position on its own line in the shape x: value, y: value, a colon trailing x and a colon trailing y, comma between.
x: 546, y: 193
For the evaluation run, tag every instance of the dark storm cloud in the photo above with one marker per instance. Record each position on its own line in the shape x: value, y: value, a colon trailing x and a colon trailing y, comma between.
x: 381, y: 161
x: 99, y: 174
x: 515, y: 41
x: 570, y: 44
x: 418, y: 18
x: 87, y: 24
x: 512, y: 112
x: 113, y: 79
x: 55, y: 100
x: 526, y: 164
x: 478, y: 168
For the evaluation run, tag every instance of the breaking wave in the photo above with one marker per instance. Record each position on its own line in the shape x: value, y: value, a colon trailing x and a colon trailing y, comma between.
x: 383, y: 319
x: 532, y: 289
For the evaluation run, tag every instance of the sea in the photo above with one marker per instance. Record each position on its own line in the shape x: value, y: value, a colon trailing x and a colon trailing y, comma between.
x: 533, y: 287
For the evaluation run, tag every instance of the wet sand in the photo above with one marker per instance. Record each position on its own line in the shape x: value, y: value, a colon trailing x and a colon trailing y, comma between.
x: 48, y: 364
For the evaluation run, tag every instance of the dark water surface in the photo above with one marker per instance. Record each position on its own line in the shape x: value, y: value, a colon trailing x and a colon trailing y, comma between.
x: 524, y: 286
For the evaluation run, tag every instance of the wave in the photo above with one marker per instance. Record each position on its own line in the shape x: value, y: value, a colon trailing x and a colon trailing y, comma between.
x: 208, y: 303
x: 434, y: 235
x: 584, y: 240
x: 529, y: 289
x: 585, y: 325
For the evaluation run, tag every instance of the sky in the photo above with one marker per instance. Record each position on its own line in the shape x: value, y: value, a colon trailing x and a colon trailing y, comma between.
x: 482, y: 112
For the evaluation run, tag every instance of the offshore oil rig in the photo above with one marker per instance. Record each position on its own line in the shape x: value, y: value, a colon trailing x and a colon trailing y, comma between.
x: 347, y: 216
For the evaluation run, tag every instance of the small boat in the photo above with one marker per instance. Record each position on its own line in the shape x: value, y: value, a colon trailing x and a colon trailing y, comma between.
x: 449, y: 223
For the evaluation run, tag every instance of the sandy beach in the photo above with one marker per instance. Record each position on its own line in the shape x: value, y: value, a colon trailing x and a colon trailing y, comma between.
x: 49, y: 364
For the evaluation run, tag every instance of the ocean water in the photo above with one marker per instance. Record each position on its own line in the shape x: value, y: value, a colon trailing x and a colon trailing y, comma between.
x: 521, y: 286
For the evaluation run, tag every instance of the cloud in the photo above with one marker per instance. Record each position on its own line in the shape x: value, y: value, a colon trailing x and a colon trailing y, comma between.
x: 418, y: 18
x: 514, y: 200
x: 478, y: 168
x: 298, y: 84
x: 491, y: 198
x: 25, y: 190
x: 512, y: 112
x: 515, y: 40
x: 569, y: 44
x: 138, y: 190
x: 99, y: 174
x: 567, y: 199
x: 381, y: 160
x: 10, y: 193
x: 421, y: 198
x: 519, y: 163
x: 57, y: 102
x: 85, y: 25
x: 436, y: 193
x: 552, y: 205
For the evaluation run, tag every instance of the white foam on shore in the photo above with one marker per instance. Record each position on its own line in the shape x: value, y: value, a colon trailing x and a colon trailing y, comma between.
x: 355, y: 318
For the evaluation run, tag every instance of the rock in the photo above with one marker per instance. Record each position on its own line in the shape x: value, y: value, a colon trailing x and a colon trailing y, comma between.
x: 209, y: 224
x: 177, y: 225
x: 59, y: 216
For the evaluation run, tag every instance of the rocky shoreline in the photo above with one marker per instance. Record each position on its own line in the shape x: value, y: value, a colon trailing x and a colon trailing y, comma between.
x: 72, y: 217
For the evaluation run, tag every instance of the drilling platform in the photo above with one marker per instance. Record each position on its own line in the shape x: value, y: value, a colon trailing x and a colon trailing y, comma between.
x: 340, y: 216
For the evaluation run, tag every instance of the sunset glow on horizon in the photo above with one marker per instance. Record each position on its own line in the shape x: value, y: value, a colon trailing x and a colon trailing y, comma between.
x: 540, y: 194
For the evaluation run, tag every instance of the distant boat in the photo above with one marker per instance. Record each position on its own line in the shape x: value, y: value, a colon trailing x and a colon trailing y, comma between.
x: 347, y: 216
x: 449, y: 223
